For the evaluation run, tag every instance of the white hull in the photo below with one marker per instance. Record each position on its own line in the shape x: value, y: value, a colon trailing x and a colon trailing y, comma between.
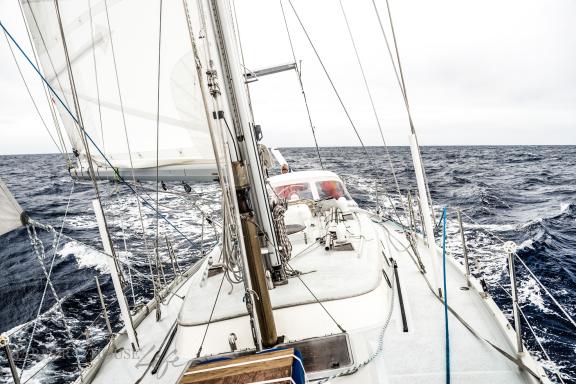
x: 416, y: 356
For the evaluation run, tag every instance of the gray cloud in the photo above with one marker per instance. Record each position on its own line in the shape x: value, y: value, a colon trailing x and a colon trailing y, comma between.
x: 477, y: 72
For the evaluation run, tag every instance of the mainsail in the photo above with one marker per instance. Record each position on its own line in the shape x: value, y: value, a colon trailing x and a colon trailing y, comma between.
x: 98, y: 58
x: 10, y: 210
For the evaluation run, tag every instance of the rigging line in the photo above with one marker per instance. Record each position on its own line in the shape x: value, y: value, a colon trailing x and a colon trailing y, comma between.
x: 297, y: 274
x: 211, y: 314
x: 236, y: 26
x: 235, y: 144
x: 46, y: 285
x: 518, y: 362
x: 148, y: 253
x: 407, y: 104
x: 393, y: 62
x: 400, y: 79
x: 96, y: 74
x: 127, y: 259
x: 369, y: 92
x: 79, y: 120
x: 69, y: 112
x: 46, y: 89
x: 299, y: 75
x: 554, y: 368
x: 158, y: 265
x: 40, y: 254
x: 330, y: 79
x: 566, y: 314
x: 446, y: 329
x: 31, y: 97
x: 399, y: 62
x: 380, y: 340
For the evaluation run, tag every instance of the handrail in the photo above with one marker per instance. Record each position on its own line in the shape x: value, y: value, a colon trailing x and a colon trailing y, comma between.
x: 510, y: 249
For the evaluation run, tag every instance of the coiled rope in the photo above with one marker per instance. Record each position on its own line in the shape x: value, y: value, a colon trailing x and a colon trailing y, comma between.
x: 380, y: 345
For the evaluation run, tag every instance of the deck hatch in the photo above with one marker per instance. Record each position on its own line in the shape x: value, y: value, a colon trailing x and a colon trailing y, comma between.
x: 315, y: 356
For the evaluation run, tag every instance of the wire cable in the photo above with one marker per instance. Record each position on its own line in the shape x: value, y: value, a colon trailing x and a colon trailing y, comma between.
x: 299, y: 74
x: 330, y: 80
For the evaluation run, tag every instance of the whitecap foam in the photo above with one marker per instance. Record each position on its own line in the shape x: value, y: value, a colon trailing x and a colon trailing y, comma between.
x: 564, y: 206
x: 526, y: 244
x: 39, y: 370
x: 85, y: 257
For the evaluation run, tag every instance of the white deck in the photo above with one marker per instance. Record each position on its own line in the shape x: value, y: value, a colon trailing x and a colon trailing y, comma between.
x: 329, y: 275
x: 418, y: 356
x: 357, y: 296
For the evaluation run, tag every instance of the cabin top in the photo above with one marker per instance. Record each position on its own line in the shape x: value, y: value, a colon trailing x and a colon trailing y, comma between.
x: 313, y: 185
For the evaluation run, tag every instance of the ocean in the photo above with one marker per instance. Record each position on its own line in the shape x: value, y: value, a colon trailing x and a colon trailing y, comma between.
x: 525, y: 194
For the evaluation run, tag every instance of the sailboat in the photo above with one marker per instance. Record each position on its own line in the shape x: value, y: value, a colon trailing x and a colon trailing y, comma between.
x: 305, y: 285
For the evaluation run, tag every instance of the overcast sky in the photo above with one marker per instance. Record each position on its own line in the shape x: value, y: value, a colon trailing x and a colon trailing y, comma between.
x: 477, y: 72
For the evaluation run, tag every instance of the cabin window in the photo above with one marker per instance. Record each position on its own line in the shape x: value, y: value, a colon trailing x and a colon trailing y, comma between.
x: 297, y: 191
x: 331, y: 189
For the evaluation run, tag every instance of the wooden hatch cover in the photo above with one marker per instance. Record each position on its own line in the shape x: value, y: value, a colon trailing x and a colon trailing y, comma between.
x: 275, y: 365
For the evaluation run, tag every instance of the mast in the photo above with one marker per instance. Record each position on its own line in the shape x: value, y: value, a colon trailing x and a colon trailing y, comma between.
x: 250, y: 186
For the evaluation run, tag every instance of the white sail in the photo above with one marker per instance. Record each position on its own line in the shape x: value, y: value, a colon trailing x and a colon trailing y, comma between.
x: 112, y: 48
x: 10, y: 210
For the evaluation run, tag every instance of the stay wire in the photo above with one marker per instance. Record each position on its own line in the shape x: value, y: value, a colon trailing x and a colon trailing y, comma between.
x: 330, y: 80
x: 44, y: 87
x: 69, y: 112
x: 401, y: 83
x: 211, y: 314
x: 32, y: 97
x: 553, y: 367
x: 299, y: 75
x: 57, y: 243
x: 369, y: 93
x: 158, y: 265
x: 96, y: 73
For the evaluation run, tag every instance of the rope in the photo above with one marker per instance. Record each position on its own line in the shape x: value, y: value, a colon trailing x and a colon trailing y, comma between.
x: 369, y: 93
x: 380, y: 341
x: 446, y: 330
x: 46, y: 92
x: 299, y: 75
x: 57, y: 243
x: 40, y: 255
x: 562, y: 309
x: 393, y: 62
x: 158, y: 264
x: 87, y: 136
x: 117, y: 77
x: 566, y: 314
x: 554, y: 367
x: 283, y: 241
x: 402, y: 84
x: 210, y: 318
x: 129, y: 263
x: 298, y: 275
x: 96, y: 73
x: 32, y: 97
x: 513, y: 359
x: 330, y: 80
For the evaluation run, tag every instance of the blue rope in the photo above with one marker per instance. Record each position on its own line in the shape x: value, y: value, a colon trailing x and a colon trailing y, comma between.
x: 87, y: 135
x: 445, y: 299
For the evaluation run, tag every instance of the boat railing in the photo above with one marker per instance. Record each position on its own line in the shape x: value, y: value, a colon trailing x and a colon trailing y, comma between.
x: 101, y: 319
x: 509, y: 248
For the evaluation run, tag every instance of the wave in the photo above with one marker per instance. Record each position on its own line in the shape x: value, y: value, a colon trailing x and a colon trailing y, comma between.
x: 85, y: 257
